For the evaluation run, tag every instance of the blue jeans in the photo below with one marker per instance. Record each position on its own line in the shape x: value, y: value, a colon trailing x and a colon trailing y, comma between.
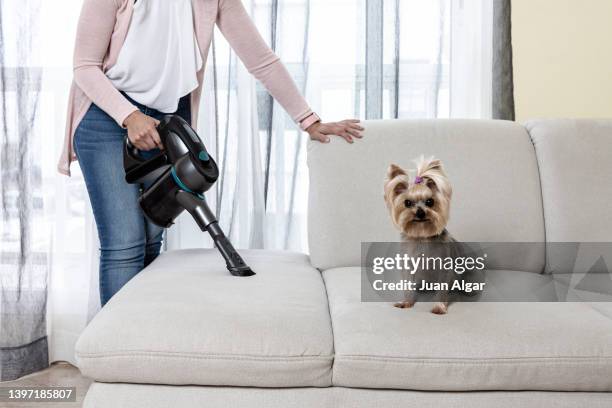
x: 128, y: 241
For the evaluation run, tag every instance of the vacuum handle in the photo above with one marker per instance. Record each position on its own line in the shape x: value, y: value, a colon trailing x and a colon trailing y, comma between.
x: 141, y: 170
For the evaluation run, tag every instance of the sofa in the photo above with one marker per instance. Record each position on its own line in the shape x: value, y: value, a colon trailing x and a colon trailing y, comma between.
x: 185, y: 333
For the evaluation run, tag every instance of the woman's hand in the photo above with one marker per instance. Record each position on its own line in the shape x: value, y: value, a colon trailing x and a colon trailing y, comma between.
x: 347, y: 129
x: 142, y: 131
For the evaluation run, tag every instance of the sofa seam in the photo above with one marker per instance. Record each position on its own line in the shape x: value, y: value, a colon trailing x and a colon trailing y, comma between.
x: 331, y: 326
x: 540, y: 182
x: 497, y: 360
x: 157, y: 354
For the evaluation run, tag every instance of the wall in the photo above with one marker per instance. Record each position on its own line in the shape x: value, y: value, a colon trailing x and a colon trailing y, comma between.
x: 562, y: 58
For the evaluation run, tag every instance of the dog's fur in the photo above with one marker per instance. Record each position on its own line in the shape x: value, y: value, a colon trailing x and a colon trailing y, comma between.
x: 420, y: 209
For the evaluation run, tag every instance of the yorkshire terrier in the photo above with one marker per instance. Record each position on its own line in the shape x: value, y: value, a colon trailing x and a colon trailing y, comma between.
x: 420, y: 209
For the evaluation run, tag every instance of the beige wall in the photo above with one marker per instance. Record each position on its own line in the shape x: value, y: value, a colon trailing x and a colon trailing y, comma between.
x: 562, y: 58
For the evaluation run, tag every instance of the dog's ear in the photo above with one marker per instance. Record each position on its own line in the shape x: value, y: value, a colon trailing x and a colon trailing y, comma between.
x: 396, y: 183
x: 394, y: 170
x: 397, y: 179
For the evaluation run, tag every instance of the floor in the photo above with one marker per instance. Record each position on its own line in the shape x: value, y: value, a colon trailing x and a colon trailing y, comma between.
x: 58, y: 375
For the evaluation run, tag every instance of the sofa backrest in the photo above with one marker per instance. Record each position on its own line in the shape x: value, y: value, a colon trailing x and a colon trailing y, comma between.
x: 575, y: 161
x: 491, y: 165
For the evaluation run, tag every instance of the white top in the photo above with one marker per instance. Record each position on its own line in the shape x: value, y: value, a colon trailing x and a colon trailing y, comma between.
x: 158, y: 62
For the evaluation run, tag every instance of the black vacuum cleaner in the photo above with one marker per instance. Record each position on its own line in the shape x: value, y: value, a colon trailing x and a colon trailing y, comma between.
x: 178, y: 177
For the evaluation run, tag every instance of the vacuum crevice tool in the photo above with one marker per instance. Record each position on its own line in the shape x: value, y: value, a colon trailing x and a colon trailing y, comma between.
x: 205, y: 219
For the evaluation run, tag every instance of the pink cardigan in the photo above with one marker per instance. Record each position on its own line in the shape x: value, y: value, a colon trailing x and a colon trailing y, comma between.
x: 102, y: 29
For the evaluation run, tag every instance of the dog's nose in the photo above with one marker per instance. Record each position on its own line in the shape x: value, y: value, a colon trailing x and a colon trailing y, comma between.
x: 420, y: 214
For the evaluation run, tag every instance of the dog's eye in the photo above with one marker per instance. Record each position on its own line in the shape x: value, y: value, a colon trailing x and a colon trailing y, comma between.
x: 429, y: 202
x: 408, y: 203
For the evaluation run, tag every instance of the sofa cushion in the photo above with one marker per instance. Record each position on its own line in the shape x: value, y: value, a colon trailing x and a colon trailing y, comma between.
x: 574, y: 158
x: 476, y: 346
x: 491, y: 165
x: 575, y: 163
x: 186, y: 320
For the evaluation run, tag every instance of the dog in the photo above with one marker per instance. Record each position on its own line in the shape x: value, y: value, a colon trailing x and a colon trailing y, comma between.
x: 420, y: 208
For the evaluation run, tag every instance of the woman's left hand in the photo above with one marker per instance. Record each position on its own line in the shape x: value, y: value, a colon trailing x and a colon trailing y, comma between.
x: 347, y: 129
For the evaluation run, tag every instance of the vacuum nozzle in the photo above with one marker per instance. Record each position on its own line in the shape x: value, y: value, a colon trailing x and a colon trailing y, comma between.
x: 206, y: 220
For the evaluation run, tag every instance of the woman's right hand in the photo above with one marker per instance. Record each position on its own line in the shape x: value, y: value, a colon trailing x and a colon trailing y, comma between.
x: 142, y: 131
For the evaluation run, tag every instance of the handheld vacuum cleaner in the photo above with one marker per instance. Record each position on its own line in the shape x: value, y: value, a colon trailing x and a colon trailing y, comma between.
x: 178, y: 177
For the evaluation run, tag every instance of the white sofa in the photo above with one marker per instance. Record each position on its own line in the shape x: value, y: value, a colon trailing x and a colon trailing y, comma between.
x: 184, y: 333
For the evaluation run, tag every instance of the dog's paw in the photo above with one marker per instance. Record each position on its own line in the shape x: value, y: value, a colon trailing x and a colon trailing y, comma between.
x: 404, y: 305
x: 439, y: 309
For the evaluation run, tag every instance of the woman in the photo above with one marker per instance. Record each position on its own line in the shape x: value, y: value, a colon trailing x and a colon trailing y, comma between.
x: 136, y: 60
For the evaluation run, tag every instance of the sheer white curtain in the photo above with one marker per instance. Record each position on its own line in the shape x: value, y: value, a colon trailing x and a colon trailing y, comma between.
x: 69, y: 226
x: 437, y: 58
x: 432, y: 59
